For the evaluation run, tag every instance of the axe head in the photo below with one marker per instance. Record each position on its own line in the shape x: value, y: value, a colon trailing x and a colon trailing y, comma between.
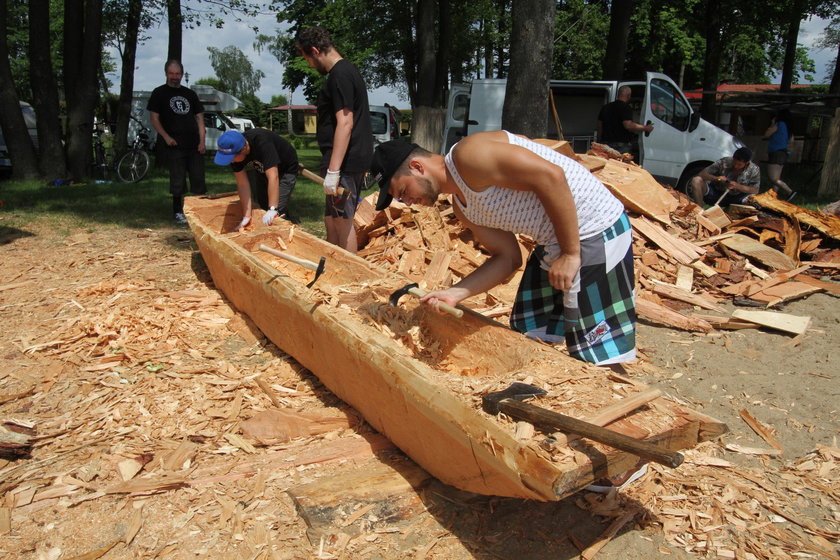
x: 318, y: 271
x: 395, y: 297
x: 518, y: 391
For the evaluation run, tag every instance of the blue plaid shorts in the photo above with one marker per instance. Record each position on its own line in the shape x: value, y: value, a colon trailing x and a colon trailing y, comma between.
x: 598, y: 315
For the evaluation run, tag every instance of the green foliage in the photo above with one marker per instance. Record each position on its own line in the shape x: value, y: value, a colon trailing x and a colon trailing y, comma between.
x: 234, y: 71
x: 581, y: 30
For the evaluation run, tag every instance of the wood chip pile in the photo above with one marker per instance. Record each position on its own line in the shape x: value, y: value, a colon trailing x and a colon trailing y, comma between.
x: 688, y: 262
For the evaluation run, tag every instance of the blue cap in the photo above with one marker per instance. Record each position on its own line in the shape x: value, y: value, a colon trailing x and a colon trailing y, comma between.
x: 230, y: 143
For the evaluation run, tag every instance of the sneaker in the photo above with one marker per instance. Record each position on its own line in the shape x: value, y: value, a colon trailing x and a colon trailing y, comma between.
x: 791, y: 196
x: 180, y: 218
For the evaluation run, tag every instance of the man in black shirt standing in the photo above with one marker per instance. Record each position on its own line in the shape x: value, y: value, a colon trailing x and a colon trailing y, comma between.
x: 275, y: 163
x: 344, y: 133
x: 616, y: 128
x: 178, y: 117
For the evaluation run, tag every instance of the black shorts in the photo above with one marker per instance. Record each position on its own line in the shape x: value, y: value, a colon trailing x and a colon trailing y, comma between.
x: 779, y: 157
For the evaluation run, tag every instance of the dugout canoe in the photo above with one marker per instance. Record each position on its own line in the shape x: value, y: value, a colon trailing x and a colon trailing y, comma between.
x: 417, y: 377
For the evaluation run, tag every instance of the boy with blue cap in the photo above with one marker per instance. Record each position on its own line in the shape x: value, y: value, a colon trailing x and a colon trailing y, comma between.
x: 274, y: 162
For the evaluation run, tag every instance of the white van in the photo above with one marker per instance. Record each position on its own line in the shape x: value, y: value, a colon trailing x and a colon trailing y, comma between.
x: 384, y: 122
x: 31, y: 125
x: 242, y: 124
x: 680, y: 146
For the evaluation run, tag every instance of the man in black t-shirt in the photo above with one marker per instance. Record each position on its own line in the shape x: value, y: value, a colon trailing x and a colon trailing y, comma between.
x: 178, y: 117
x: 275, y: 165
x: 344, y: 133
x: 616, y: 128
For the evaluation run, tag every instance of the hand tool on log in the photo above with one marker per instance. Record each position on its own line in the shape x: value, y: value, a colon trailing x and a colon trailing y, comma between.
x: 415, y: 290
x: 510, y: 402
x: 214, y: 196
x: 309, y: 265
x: 316, y: 179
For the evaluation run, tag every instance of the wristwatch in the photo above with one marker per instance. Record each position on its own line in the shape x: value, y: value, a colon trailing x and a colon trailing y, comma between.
x: 270, y: 208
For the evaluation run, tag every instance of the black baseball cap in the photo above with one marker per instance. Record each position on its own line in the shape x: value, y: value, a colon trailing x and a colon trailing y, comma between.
x: 387, y: 158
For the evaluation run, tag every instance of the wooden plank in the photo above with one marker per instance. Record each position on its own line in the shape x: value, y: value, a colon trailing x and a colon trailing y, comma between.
x: 372, y: 490
x: 785, y: 292
x: 766, y: 255
x: 674, y: 292
x: 760, y: 429
x: 638, y: 190
x: 717, y: 216
x: 437, y: 272
x: 681, y: 250
x: 685, y: 277
x: 661, y: 315
x: 780, y: 321
x: 832, y: 287
x: 775, y: 279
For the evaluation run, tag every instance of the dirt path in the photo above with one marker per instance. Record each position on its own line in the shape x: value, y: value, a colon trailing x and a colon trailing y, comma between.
x: 119, y: 354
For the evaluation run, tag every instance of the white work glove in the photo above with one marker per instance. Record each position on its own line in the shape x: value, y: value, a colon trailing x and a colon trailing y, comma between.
x: 269, y: 216
x: 331, y: 182
x: 245, y: 221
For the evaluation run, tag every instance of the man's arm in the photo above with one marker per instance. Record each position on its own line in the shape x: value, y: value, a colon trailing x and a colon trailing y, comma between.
x: 243, y: 187
x: 636, y: 127
x: 505, y: 259
x: 341, y: 137
x: 272, y: 176
x: 156, y: 124
x: 199, y: 119
x: 485, y: 160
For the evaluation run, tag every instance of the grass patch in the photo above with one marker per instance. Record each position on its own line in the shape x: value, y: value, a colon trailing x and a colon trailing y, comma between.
x: 146, y: 204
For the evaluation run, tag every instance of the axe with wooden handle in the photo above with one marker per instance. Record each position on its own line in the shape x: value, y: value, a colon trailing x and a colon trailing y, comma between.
x: 309, y: 265
x: 316, y: 179
x: 414, y: 290
x: 510, y: 402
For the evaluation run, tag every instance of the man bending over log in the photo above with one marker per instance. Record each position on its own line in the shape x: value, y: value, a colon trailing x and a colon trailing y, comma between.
x: 578, y: 281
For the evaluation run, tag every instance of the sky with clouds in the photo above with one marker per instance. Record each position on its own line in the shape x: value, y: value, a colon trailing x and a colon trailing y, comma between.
x: 151, y: 57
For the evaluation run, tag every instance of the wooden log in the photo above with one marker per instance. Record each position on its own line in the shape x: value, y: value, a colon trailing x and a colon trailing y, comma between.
x: 674, y: 292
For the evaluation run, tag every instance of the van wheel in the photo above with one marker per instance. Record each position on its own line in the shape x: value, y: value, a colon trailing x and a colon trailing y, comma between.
x: 688, y: 173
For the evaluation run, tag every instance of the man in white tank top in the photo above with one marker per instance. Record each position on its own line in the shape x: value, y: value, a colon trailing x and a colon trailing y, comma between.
x: 501, y: 185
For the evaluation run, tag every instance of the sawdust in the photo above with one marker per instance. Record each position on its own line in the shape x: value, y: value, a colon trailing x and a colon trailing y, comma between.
x: 117, y: 351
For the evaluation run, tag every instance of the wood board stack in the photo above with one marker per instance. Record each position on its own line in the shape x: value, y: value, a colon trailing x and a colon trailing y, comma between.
x: 686, y: 260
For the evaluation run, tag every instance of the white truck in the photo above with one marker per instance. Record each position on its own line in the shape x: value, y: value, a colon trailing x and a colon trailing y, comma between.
x: 680, y: 145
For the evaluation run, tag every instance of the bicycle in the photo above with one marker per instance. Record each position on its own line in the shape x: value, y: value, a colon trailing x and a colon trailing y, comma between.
x: 99, y: 159
x: 133, y: 165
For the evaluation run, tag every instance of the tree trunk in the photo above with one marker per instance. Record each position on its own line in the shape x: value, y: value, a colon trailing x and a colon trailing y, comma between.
x: 427, y: 130
x: 82, y: 56
x: 132, y: 29
x: 443, y: 53
x: 173, y: 11
x: 501, y: 46
x: 18, y: 142
x: 620, y: 14
x: 834, y: 88
x: 531, y: 50
x: 795, y: 15
x: 830, y: 179
x: 711, y: 62
x: 51, y: 160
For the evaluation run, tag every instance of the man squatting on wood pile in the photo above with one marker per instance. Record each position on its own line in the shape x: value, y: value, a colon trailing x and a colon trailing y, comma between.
x: 578, y: 281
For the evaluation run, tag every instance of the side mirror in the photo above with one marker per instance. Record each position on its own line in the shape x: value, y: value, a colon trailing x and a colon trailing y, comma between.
x: 694, y: 122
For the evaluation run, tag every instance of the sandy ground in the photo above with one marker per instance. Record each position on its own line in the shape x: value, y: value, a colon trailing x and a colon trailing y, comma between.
x: 74, y: 301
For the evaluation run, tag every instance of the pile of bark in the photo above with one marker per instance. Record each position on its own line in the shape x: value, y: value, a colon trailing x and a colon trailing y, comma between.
x: 689, y: 261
